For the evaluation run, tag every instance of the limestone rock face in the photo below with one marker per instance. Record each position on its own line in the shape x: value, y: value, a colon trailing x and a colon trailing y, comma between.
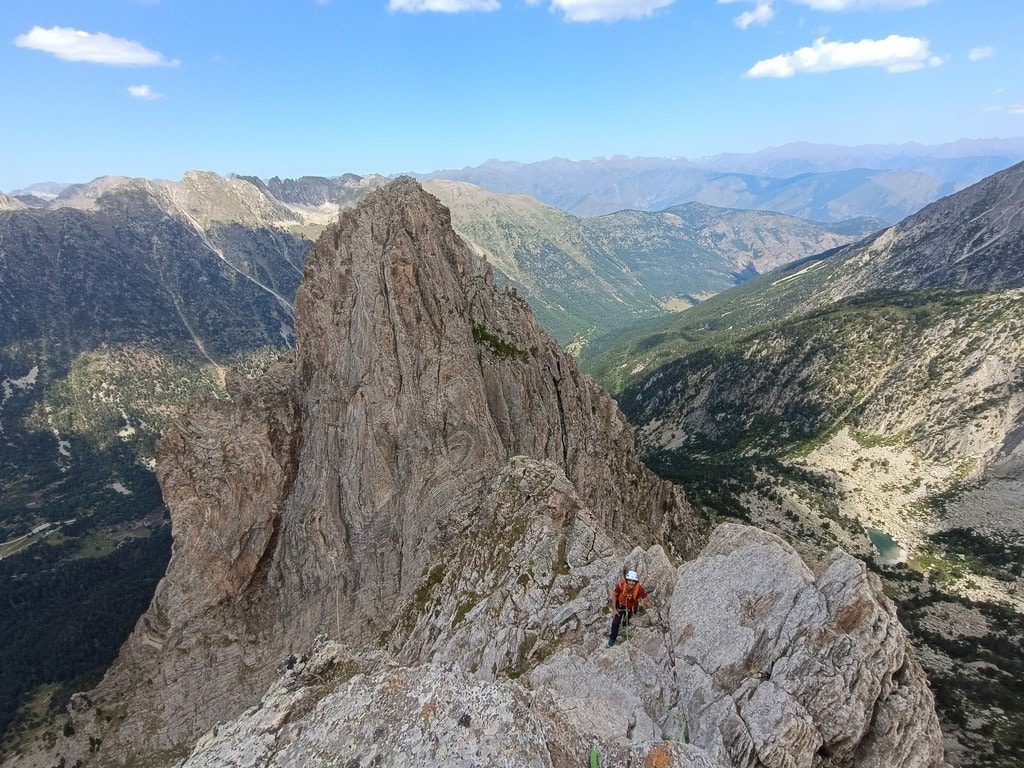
x: 319, y: 496
x: 798, y: 669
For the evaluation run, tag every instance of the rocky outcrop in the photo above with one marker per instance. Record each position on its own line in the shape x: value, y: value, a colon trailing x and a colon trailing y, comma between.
x: 789, y: 668
x: 749, y: 659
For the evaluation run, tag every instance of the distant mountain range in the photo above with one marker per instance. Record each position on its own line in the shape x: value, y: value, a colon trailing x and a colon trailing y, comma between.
x: 957, y: 161
x: 820, y: 182
x: 586, y: 276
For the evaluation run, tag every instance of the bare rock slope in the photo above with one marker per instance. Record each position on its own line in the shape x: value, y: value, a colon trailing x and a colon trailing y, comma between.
x: 812, y: 672
x: 431, y: 482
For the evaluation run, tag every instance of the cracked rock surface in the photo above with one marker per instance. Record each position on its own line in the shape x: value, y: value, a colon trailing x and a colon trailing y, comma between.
x: 748, y: 656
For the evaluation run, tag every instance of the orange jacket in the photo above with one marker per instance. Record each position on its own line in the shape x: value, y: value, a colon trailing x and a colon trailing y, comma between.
x: 629, y: 597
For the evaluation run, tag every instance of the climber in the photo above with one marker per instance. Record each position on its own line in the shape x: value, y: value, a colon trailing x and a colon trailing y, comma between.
x: 625, y: 599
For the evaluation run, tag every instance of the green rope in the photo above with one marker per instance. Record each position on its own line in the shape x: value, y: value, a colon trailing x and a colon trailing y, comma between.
x: 595, y: 757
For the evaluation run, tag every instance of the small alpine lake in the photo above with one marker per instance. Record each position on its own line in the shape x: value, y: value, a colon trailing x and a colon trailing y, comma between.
x: 887, y: 547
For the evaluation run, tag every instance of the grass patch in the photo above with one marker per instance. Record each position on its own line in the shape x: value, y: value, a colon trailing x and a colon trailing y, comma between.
x: 496, y: 345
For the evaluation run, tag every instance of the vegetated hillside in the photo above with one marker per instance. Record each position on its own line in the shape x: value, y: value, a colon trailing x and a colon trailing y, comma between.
x: 873, y: 397
x: 584, y: 277
x: 889, y: 426
x: 605, y: 185
x: 765, y: 240
x: 970, y: 240
x: 114, y: 319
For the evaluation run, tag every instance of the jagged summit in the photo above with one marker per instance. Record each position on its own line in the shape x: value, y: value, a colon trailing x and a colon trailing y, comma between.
x: 201, y: 198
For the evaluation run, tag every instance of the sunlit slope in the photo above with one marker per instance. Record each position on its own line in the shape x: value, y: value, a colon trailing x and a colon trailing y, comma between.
x: 970, y: 240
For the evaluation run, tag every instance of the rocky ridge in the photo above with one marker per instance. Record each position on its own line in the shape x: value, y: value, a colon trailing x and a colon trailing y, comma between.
x: 431, y: 481
x: 522, y: 675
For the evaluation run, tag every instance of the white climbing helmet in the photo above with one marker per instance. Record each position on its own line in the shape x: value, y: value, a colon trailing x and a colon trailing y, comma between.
x: 632, y: 576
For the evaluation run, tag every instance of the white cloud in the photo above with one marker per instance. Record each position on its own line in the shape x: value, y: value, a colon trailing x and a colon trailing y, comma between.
x: 442, y: 6
x: 95, y: 47
x: 760, y: 14
x: 608, y: 10
x: 145, y: 92
x: 984, y: 52
x: 862, y: 5
x: 894, y: 53
x: 1009, y: 109
x: 764, y: 10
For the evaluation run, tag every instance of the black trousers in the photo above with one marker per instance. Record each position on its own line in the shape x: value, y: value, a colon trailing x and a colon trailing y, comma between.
x: 620, y: 615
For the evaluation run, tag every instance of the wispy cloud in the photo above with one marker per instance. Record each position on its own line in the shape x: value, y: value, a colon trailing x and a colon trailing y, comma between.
x: 144, y: 92
x: 442, y: 6
x: 95, y: 47
x: 862, y: 5
x: 894, y: 53
x: 607, y: 10
x: 762, y: 13
x: 984, y: 52
x: 764, y: 10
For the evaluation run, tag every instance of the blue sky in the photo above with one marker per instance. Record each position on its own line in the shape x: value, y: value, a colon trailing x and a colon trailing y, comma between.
x: 293, y: 87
